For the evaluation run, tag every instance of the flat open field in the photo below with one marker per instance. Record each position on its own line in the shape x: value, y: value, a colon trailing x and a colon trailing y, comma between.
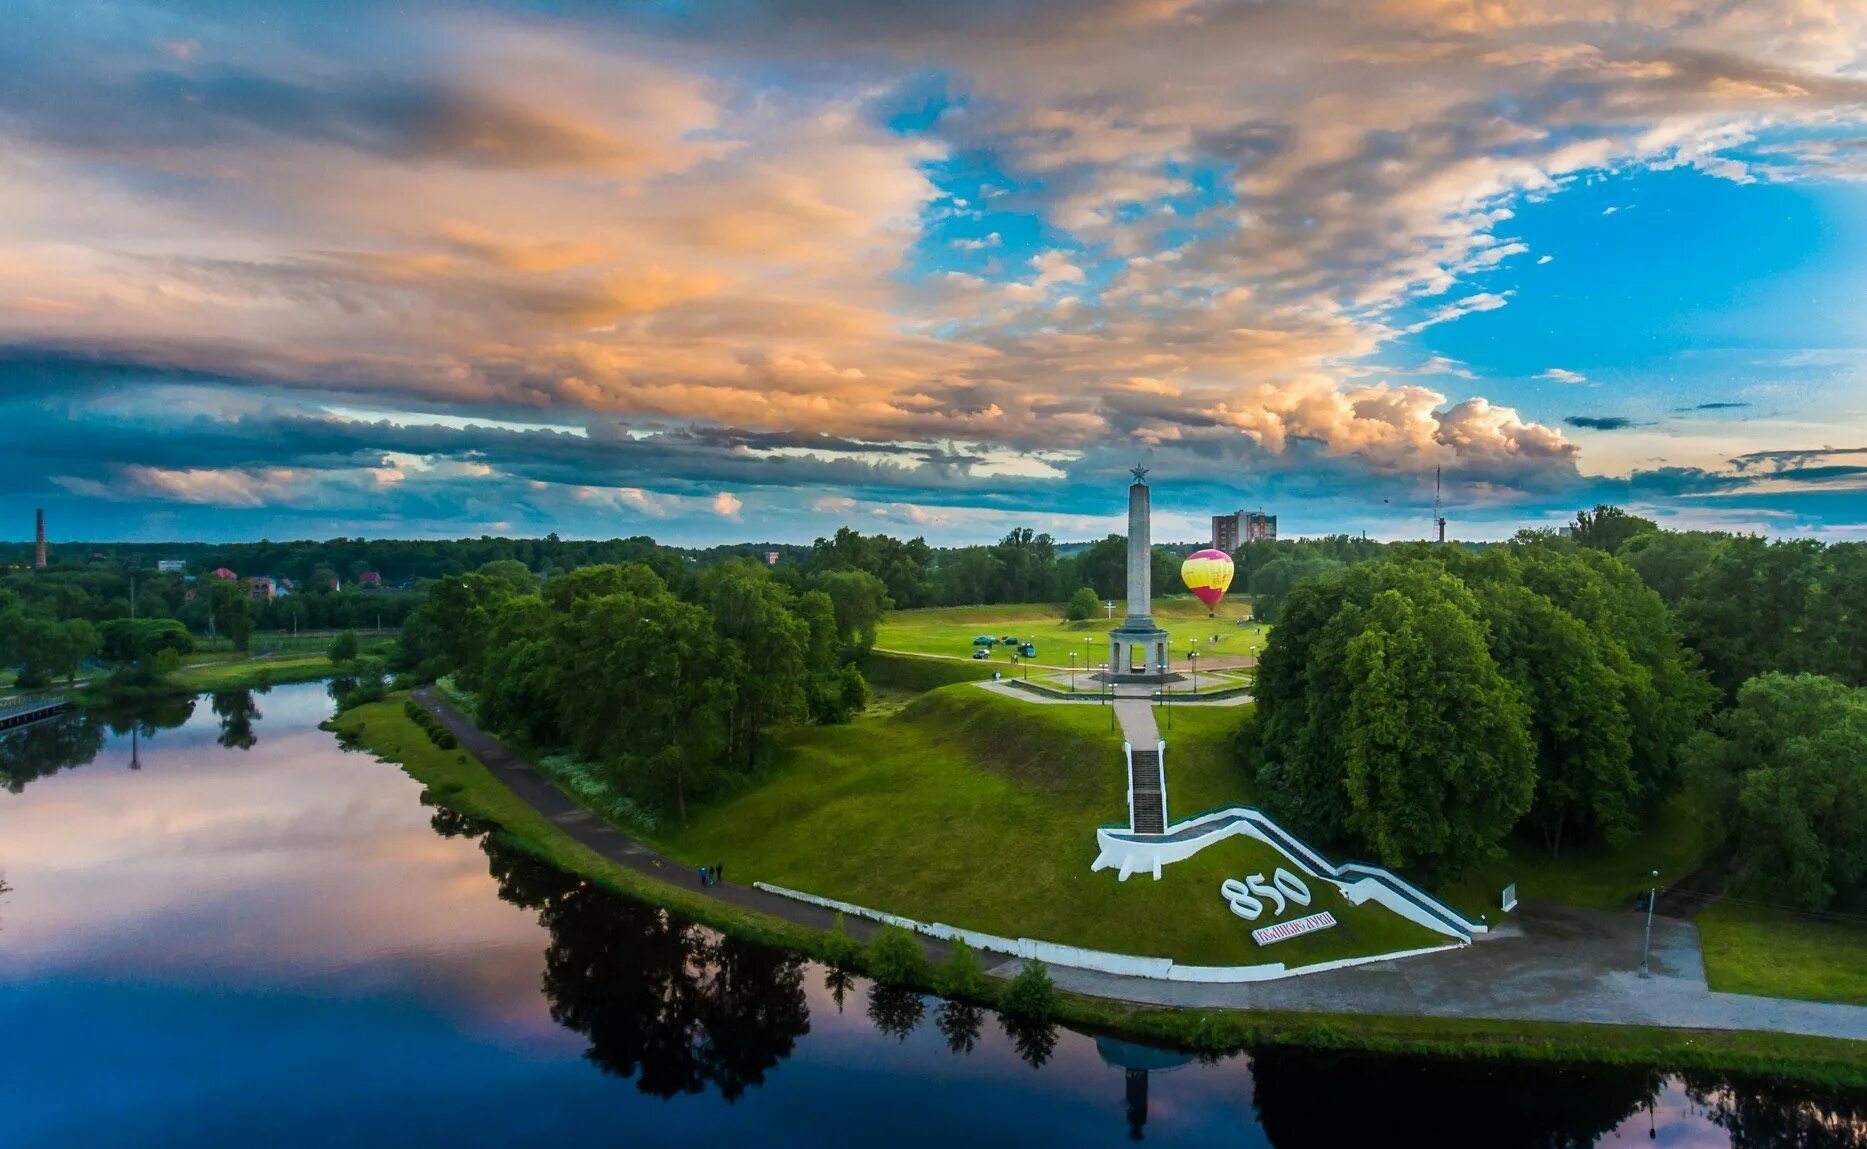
x: 978, y: 810
x: 949, y: 631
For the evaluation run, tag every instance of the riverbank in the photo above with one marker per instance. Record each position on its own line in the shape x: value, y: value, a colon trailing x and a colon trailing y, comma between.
x: 493, y: 784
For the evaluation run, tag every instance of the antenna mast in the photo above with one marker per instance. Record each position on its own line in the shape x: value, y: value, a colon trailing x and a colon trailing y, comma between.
x: 1439, y: 521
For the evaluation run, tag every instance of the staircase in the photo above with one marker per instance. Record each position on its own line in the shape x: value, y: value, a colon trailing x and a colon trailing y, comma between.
x: 1148, y: 804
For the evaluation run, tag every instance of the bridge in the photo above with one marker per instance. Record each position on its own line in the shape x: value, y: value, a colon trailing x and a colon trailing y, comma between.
x: 15, y: 712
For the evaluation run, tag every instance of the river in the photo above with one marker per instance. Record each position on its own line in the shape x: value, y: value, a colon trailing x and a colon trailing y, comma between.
x: 223, y: 928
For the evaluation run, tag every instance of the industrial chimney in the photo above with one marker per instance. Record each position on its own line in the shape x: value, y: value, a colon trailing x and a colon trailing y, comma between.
x: 38, y: 551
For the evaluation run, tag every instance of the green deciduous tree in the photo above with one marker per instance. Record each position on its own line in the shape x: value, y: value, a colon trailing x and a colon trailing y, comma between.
x: 231, y: 608
x: 1607, y: 528
x: 1083, y: 606
x: 1792, y: 755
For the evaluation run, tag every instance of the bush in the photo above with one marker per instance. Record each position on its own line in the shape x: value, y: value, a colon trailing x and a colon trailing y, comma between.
x: 840, y: 951
x: 345, y: 648
x: 895, y: 958
x: 1031, y: 994
x: 1083, y: 606
x: 961, y: 975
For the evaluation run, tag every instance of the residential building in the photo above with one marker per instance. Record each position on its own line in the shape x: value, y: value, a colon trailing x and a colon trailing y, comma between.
x: 1229, y: 532
x: 262, y: 588
x: 171, y: 566
x: 371, y: 579
x: 224, y: 574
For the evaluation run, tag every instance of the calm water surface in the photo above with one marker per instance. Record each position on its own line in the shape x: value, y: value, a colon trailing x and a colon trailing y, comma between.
x: 225, y: 929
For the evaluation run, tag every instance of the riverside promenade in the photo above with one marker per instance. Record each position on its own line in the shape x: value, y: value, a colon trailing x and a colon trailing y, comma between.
x: 1542, y: 963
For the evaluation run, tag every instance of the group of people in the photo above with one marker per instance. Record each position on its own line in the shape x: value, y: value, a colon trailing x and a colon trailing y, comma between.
x: 710, y: 875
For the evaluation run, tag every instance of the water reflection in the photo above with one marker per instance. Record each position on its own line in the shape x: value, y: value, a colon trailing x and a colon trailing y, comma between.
x: 262, y: 903
x: 238, y: 714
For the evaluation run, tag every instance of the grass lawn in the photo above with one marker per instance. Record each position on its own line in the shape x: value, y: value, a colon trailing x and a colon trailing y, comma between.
x: 1600, y: 877
x: 949, y: 631
x: 979, y: 811
x: 1749, y: 949
x: 254, y: 672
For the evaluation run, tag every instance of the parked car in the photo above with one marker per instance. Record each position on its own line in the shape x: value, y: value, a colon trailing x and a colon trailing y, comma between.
x: 1008, y: 640
x: 984, y: 640
x: 982, y: 654
x: 1028, y: 651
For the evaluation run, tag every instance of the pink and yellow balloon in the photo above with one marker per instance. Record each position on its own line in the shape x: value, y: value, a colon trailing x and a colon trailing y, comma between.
x: 1207, y: 574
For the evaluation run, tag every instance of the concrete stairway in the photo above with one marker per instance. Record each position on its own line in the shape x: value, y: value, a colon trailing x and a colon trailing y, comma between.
x: 1150, y: 799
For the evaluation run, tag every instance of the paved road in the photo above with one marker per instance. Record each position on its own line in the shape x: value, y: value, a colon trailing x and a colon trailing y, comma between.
x: 1545, y: 964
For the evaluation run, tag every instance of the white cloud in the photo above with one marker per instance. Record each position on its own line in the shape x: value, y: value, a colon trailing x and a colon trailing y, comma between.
x: 727, y: 505
x: 1562, y: 375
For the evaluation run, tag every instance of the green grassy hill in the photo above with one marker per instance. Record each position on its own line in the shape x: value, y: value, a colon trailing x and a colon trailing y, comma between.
x: 979, y: 811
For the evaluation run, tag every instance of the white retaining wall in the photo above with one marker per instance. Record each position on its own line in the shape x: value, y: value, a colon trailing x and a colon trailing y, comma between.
x: 1101, y: 961
x: 1358, y: 881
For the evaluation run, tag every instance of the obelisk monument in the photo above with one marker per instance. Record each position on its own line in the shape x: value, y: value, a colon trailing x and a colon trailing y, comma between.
x: 1138, y: 648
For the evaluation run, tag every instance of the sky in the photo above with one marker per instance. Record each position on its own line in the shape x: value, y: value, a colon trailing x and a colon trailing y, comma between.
x: 756, y: 271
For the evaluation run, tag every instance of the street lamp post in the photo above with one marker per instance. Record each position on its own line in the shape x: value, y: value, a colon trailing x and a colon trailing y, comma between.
x: 1647, y: 946
x: 1072, y: 672
x: 1193, y: 658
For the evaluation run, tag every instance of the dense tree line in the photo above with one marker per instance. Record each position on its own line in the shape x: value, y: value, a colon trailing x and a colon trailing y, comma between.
x: 1427, y: 704
x: 1024, y: 566
x: 672, y: 685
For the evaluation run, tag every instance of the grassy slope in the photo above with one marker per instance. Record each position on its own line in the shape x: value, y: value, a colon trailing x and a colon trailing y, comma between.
x: 1598, y: 876
x: 459, y: 781
x: 979, y: 811
x: 950, y: 630
x: 1753, y: 950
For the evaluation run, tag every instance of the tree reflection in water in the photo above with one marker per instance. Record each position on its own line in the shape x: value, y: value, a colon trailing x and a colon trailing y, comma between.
x: 959, y: 1022
x: 894, y: 1011
x: 237, y: 712
x: 1760, y: 1112
x: 1426, y: 1101
x: 670, y: 1004
x: 44, y: 748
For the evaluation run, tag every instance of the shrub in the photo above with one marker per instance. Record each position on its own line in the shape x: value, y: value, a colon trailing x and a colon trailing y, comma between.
x: 961, y: 975
x: 1083, y: 606
x: 895, y: 958
x: 840, y: 951
x: 1031, y: 994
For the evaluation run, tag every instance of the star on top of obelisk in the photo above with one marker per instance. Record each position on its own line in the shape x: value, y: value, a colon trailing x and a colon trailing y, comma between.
x: 1139, y: 473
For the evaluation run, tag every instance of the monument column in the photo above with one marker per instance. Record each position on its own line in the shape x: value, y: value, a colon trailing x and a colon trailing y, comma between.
x: 1140, y: 560
x: 1138, y: 648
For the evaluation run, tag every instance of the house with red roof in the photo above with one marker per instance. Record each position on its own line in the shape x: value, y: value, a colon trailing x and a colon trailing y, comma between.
x: 224, y: 573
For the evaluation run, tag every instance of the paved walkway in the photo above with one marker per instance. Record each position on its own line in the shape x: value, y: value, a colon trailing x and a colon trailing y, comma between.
x: 1544, y: 964
x: 1548, y: 963
x: 543, y: 795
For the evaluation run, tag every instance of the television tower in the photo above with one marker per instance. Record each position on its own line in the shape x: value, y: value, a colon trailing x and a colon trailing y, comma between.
x: 1439, y: 520
x: 38, y: 550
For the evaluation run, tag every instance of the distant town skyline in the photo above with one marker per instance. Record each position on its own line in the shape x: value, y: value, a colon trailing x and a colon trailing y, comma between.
x: 753, y: 271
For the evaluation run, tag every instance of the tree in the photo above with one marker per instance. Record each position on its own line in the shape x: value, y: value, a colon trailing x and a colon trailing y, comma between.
x: 232, y: 611
x: 1608, y: 528
x: 49, y: 649
x: 1083, y: 606
x: 1383, y: 718
x: 1437, y: 755
x: 858, y: 600
x: 345, y: 648
x: 1792, y: 756
x: 514, y: 573
x: 1271, y: 582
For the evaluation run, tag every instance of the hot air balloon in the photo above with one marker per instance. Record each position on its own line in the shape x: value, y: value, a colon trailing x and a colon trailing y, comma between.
x: 1207, y: 574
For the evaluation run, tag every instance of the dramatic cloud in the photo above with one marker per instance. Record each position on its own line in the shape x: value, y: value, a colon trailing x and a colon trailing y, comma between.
x: 890, y: 259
